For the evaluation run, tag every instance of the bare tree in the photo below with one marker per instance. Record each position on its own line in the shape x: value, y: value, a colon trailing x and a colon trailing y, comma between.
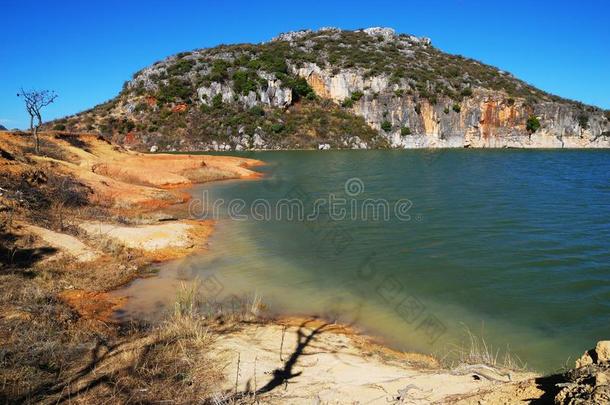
x: 35, y: 101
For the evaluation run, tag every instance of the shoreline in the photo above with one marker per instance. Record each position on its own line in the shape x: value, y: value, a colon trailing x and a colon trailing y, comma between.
x: 129, y: 222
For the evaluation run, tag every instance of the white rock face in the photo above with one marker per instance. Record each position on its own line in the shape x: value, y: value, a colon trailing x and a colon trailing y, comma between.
x: 603, y: 350
x: 291, y: 36
x: 341, y: 86
x: 258, y: 141
x: 354, y: 142
x: 206, y: 94
x: 323, y: 146
x: 154, y: 148
x: 274, y: 96
x: 484, y: 120
x: 386, y: 33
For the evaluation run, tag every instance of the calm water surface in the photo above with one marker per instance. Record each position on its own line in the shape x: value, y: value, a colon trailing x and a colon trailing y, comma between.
x: 513, y: 245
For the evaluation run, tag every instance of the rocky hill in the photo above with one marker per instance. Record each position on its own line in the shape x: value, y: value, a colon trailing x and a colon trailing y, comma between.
x: 336, y: 89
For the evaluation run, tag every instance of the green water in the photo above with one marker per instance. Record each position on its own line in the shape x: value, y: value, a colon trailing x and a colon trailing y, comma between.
x: 512, y: 245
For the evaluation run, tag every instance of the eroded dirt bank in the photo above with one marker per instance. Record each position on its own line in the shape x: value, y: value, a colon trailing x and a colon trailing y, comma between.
x: 87, y: 216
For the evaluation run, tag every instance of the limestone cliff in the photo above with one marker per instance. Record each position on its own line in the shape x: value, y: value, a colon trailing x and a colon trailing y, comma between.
x: 342, y: 89
x: 487, y: 118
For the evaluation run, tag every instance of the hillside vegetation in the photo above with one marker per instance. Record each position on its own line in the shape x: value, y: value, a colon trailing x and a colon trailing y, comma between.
x: 356, y: 89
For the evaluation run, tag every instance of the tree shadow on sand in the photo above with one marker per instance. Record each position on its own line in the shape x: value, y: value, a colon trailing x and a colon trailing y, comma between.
x: 283, y: 375
x: 13, y: 257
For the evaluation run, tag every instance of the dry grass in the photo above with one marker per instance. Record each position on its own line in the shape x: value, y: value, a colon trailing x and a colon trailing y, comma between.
x: 50, y: 354
x: 476, y: 351
x: 187, y: 299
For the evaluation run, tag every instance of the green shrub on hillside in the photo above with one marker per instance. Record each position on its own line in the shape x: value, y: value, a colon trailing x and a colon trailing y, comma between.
x: 357, y: 95
x: 245, y: 81
x: 180, y: 67
x: 273, y: 58
x: 532, y: 124
x: 457, y: 108
x: 300, y: 87
x: 405, y: 131
x: 386, y: 126
x: 140, y: 107
x: 583, y: 120
x: 257, y: 111
x: 347, y: 103
x: 277, y: 128
x: 467, y: 92
x: 175, y: 89
x: 219, y: 71
x: 217, y: 101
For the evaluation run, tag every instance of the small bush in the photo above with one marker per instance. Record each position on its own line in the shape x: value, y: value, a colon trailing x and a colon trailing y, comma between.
x: 583, y: 121
x: 386, y: 126
x: 347, y: 103
x: 273, y: 59
x: 245, y: 81
x: 219, y: 72
x: 532, y: 124
x: 59, y: 127
x: 181, y: 67
x: 257, y: 111
x: 467, y: 92
x: 357, y: 95
x: 457, y: 108
x: 277, y: 128
x: 175, y: 89
x: 141, y: 107
x: 300, y: 87
x: 217, y: 101
x: 405, y: 131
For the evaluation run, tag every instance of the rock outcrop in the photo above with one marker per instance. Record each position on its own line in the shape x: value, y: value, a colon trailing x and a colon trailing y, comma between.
x: 274, y: 95
x: 485, y: 119
x: 589, y: 382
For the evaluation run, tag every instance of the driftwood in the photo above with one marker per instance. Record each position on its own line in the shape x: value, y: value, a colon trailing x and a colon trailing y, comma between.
x: 483, y: 370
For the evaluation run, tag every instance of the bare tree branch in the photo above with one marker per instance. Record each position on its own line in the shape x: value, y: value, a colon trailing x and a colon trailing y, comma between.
x: 35, y: 101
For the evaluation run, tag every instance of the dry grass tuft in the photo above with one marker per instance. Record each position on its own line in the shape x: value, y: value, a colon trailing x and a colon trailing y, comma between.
x: 476, y: 351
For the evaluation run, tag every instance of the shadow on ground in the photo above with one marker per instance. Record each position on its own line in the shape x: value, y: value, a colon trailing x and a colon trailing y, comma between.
x: 13, y: 257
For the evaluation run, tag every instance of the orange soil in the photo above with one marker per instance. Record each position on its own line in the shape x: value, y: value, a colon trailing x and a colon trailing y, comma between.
x: 92, y: 304
x: 128, y: 183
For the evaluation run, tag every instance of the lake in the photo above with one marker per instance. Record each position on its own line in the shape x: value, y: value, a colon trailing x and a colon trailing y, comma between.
x: 417, y: 247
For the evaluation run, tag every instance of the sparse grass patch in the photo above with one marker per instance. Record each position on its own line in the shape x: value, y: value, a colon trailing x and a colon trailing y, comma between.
x: 476, y: 351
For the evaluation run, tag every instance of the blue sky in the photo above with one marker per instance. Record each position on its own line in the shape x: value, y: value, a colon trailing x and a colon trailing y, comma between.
x: 85, y: 50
